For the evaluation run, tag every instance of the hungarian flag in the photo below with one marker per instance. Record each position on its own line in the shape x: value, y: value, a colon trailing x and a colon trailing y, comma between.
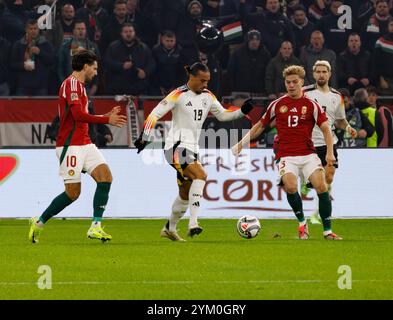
x: 232, y: 31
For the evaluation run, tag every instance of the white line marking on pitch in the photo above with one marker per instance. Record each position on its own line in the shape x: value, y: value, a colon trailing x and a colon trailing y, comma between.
x: 139, y: 282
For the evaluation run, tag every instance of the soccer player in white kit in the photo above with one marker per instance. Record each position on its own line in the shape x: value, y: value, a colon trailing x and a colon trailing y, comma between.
x: 190, y: 105
x: 333, y: 104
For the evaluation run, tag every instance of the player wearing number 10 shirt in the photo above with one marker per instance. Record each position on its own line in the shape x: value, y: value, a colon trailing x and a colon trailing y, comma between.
x: 74, y: 149
x: 295, y: 116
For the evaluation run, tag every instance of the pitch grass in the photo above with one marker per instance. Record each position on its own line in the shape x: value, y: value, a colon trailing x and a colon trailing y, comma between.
x: 217, y: 264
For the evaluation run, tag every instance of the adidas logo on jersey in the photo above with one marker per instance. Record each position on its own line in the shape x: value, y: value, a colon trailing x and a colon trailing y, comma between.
x: 293, y: 110
x: 189, y: 104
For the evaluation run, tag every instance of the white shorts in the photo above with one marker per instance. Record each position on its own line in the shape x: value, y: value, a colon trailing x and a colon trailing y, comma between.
x: 300, y: 166
x: 77, y: 159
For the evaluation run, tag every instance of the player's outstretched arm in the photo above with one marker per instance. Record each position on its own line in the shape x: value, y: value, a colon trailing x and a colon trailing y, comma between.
x: 344, y: 125
x: 254, y: 133
x: 327, y: 134
x: 223, y: 114
x: 80, y: 115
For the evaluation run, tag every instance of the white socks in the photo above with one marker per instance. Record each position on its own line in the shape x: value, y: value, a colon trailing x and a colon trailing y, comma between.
x: 96, y: 224
x: 195, y: 196
x: 179, y: 208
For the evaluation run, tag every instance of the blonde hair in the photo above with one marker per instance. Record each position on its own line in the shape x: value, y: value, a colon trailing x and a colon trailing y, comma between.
x: 294, y: 70
x: 322, y: 63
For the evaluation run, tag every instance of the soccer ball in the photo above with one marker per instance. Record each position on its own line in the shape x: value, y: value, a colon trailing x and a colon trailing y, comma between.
x: 248, y: 226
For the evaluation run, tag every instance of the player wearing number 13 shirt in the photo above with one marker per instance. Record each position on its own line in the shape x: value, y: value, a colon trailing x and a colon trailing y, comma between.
x: 74, y: 149
x: 295, y: 116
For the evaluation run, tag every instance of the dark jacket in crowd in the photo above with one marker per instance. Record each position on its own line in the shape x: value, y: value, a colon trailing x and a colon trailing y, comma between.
x: 120, y: 81
x: 186, y: 31
x: 64, y: 67
x: 13, y: 20
x: 38, y: 78
x: 274, y: 28
x: 170, y: 71
x: 335, y: 38
x: 274, y: 80
x: 372, y: 30
x: 247, y: 69
x: 302, y: 34
x: 95, y: 22
x: 5, y: 50
x: 356, y: 66
x: 111, y: 32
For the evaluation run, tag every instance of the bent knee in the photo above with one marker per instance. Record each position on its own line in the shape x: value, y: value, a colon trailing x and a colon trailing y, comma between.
x: 73, y: 194
x: 291, y: 189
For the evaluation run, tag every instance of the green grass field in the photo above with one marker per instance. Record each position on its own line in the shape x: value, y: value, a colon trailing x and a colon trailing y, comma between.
x: 218, y: 264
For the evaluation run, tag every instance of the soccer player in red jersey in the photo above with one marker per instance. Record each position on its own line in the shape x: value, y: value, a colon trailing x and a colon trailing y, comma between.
x: 295, y: 116
x: 75, y: 150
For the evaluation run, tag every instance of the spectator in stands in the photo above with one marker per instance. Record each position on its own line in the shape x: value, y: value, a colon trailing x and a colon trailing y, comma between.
x: 213, y: 64
x: 79, y: 41
x: 111, y: 31
x: 302, y: 28
x: 31, y: 58
x: 272, y: 24
x: 316, y: 51
x: 187, y: 28
x: 211, y: 8
x: 386, y: 117
x: 362, y: 10
x: 231, y: 7
x: 318, y: 9
x: 170, y: 62
x: 335, y: 35
x: 357, y: 120
x: 5, y: 50
x: 247, y: 65
x: 95, y: 18
x: 353, y: 65
x: 360, y: 101
x: 275, y: 86
x: 129, y: 64
x: 13, y: 20
x: 63, y: 28
x: 377, y: 25
x: 145, y: 22
x: 383, y: 62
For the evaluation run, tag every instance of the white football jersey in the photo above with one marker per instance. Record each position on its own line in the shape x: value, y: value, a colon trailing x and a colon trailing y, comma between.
x: 333, y: 104
x: 189, y: 111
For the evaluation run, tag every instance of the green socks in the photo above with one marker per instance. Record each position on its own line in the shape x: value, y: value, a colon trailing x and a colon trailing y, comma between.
x: 297, y: 205
x: 100, y: 200
x: 57, y: 205
x: 325, y: 210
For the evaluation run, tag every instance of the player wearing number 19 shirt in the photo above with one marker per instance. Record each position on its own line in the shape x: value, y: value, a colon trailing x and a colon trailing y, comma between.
x: 295, y: 116
x: 190, y: 105
x: 74, y: 149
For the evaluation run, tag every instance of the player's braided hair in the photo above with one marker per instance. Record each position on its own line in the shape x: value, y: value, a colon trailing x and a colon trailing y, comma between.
x: 196, y: 67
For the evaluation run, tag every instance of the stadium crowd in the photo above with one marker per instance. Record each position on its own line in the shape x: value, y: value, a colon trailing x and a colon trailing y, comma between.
x: 143, y: 45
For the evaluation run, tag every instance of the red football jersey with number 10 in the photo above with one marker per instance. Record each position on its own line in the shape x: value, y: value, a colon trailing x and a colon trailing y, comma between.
x: 72, y: 94
x: 295, y: 120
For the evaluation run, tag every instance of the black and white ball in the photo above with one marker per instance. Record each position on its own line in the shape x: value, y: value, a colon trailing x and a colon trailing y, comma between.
x: 248, y: 226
